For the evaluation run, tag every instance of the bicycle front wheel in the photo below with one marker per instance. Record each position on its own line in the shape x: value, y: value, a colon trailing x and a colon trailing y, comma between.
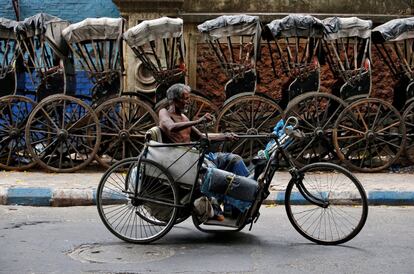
x: 328, y: 205
x: 140, y: 216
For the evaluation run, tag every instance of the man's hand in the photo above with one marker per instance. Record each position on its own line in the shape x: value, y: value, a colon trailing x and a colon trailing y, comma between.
x: 230, y: 136
x: 206, y: 118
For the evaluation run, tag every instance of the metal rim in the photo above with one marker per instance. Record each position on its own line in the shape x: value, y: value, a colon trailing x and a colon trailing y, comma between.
x: 14, y: 113
x: 63, y: 134
x: 124, y: 122
x: 137, y: 219
x: 248, y: 114
x: 317, y: 113
x: 369, y: 135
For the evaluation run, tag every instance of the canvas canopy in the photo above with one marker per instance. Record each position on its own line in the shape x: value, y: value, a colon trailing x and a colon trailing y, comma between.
x: 7, y: 28
x: 44, y: 24
x: 94, y: 29
x: 296, y: 25
x: 395, y: 30
x: 150, y: 30
x: 336, y: 27
x: 230, y: 25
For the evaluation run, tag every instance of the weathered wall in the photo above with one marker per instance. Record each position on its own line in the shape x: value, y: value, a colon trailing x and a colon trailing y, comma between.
x: 72, y: 10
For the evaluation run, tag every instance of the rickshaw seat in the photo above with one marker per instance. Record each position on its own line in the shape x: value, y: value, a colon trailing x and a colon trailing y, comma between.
x: 154, y: 134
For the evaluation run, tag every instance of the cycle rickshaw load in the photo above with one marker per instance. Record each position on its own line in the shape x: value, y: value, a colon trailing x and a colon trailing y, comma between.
x: 159, y: 46
x: 394, y: 42
x: 347, y: 41
x: 8, y: 55
x: 235, y: 40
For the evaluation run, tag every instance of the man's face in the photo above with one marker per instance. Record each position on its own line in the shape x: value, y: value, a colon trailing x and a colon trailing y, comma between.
x: 183, y: 103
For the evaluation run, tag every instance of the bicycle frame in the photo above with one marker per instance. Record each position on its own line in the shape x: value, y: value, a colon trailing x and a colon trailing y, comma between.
x: 264, y: 180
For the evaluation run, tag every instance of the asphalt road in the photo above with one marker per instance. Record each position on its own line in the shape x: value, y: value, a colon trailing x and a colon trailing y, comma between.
x: 73, y: 240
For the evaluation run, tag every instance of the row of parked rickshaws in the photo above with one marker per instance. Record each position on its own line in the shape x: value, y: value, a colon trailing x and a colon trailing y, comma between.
x: 50, y: 117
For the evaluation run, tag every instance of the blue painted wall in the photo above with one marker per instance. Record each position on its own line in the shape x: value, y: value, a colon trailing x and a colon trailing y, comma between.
x: 72, y: 10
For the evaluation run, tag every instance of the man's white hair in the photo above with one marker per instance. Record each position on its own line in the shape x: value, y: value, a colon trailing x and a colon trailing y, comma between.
x: 176, y: 91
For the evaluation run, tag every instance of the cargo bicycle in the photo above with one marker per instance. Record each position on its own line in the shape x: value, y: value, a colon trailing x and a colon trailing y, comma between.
x: 140, y: 199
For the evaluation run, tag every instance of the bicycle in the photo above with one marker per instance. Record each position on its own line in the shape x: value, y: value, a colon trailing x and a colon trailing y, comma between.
x: 140, y: 199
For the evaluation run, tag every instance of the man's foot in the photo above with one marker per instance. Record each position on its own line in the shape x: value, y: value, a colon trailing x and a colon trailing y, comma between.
x: 218, y: 213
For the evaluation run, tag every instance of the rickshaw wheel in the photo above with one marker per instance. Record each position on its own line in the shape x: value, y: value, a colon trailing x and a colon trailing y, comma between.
x: 63, y: 134
x: 408, y: 117
x: 14, y: 111
x: 124, y: 122
x: 140, y: 218
x: 369, y: 135
x: 248, y: 114
x: 198, y: 107
x: 328, y: 205
x: 317, y: 113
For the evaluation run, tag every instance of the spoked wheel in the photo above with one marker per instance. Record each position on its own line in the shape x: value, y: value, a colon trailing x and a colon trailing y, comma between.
x: 198, y: 107
x: 251, y: 115
x: 408, y: 117
x: 369, y: 135
x: 14, y: 112
x: 124, y: 122
x: 317, y: 113
x: 341, y: 206
x: 140, y: 216
x: 63, y: 134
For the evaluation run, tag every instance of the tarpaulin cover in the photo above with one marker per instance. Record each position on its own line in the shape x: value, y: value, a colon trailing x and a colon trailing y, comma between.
x: 297, y: 25
x: 44, y: 24
x: 230, y: 25
x: 94, y: 29
x: 395, y: 30
x: 151, y: 30
x: 239, y: 191
x: 336, y: 27
x: 7, y: 28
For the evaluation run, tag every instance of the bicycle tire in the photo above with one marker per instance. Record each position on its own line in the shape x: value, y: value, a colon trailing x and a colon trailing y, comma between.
x: 342, y: 195
x: 155, y: 210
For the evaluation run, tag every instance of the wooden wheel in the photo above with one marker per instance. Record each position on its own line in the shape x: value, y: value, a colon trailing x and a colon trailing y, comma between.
x: 317, y: 113
x: 408, y: 117
x: 198, y: 107
x: 14, y: 111
x: 248, y: 114
x: 369, y: 135
x: 63, y: 134
x: 124, y: 122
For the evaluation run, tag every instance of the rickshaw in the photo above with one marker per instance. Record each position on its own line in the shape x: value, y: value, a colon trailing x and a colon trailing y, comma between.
x: 368, y: 135
x: 97, y: 45
x: 394, y: 42
x: 62, y: 132
x: 140, y: 199
x: 15, y: 105
x: 158, y: 45
x: 295, y: 45
x: 235, y: 41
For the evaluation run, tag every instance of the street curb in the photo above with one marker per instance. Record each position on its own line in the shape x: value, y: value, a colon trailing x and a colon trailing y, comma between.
x: 395, y: 198
x: 38, y: 196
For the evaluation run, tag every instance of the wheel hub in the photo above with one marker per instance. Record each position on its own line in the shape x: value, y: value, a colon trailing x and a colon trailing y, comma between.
x: 62, y: 134
x: 124, y: 135
x: 14, y: 133
x: 370, y: 136
x: 252, y: 131
x: 318, y: 132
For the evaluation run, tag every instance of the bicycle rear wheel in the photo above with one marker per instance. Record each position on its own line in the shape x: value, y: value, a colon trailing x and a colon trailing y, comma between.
x: 343, y: 206
x: 146, y: 216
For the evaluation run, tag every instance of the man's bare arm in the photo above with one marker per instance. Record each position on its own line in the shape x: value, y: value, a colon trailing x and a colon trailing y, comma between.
x: 169, y: 125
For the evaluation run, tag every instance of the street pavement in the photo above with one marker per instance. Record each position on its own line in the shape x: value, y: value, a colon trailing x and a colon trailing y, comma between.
x: 76, y: 189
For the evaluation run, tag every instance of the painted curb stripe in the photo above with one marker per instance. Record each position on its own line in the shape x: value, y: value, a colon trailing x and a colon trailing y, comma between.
x: 29, y: 196
x: 45, y: 196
